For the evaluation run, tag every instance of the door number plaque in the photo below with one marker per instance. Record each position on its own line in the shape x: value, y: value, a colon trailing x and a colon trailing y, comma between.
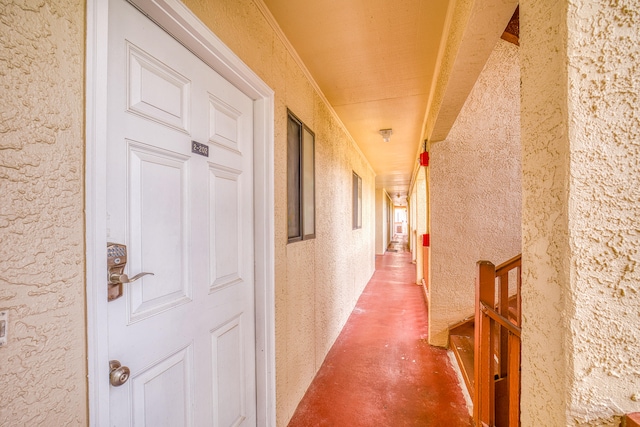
x: 198, y: 148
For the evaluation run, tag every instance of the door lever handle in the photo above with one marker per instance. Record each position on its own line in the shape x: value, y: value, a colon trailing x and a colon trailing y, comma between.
x: 115, y: 278
x: 116, y: 261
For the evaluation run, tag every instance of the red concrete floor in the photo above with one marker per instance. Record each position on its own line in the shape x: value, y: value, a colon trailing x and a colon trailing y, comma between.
x: 381, y: 371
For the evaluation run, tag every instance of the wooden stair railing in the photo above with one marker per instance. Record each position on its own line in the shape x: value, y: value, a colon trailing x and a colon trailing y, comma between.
x: 496, y: 396
x: 631, y: 420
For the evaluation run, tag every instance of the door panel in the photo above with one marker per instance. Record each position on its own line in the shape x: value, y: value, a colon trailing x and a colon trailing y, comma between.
x: 156, y: 91
x: 158, y: 203
x: 168, y: 383
x: 187, y: 333
x: 224, y: 125
x: 225, y: 227
x: 229, y: 395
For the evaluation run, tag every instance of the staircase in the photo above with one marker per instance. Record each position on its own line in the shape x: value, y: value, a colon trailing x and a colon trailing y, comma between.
x: 487, y: 345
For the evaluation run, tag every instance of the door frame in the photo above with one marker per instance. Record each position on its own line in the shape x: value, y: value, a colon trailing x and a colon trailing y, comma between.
x: 183, y: 25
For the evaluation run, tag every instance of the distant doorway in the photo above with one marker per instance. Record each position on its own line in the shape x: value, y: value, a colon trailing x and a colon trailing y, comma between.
x: 400, y: 220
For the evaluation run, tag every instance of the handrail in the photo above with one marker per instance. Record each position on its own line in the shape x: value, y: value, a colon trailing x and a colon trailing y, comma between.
x: 632, y: 420
x: 516, y: 261
x: 500, y: 319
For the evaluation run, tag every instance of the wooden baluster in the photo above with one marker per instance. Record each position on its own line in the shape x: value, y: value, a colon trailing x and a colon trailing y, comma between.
x: 502, y: 352
x: 519, y: 294
x: 514, y: 380
x: 503, y: 309
x: 483, y: 402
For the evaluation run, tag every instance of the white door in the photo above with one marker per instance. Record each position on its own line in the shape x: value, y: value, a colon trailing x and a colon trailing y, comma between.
x: 187, y: 333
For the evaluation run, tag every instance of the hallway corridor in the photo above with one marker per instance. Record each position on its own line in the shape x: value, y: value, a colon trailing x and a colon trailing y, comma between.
x: 381, y: 371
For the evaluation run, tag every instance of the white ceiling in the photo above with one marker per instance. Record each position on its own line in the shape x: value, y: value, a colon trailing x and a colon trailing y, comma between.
x: 379, y: 64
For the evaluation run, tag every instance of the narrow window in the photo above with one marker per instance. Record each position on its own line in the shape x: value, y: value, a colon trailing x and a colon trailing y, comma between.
x: 301, y: 203
x: 357, y: 201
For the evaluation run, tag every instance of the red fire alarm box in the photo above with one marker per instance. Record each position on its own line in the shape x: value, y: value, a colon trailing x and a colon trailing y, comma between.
x: 424, y: 159
x: 426, y: 240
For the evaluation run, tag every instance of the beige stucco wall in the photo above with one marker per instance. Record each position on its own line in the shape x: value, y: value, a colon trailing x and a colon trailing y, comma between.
x: 43, y: 366
x: 317, y: 281
x: 475, y: 191
x: 581, y: 211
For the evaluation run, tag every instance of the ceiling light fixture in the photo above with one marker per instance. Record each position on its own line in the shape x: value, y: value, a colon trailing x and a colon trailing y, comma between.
x: 386, y: 134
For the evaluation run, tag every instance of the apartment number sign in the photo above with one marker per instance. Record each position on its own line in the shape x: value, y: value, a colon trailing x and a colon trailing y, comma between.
x: 202, y: 149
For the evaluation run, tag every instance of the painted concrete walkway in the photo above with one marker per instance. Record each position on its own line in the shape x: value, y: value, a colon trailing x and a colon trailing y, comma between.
x: 381, y: 371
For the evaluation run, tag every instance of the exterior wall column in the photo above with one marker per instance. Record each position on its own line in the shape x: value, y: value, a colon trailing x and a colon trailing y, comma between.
x: 381, y: 221
x: 426, y: 250
x: 581, y: 211
x: 413, y: 225
x: 421, y: 222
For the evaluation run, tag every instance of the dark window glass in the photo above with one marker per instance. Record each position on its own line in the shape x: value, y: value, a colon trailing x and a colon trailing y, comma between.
x: 300, y: 180
x: 357, y: 201
x: 293, y: 179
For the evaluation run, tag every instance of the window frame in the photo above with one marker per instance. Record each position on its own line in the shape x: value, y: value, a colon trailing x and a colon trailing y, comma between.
x: 303, y: 205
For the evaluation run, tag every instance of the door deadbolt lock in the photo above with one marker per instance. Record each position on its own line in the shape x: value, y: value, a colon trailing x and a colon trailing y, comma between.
x: 118, y: 374
x: 116, y: 261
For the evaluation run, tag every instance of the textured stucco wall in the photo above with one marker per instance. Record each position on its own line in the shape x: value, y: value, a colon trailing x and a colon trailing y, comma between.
x: 43, y: 366
x: 544, y: 211
x: 475, y: 191
x: 317, y: 281
x: 581, y: 211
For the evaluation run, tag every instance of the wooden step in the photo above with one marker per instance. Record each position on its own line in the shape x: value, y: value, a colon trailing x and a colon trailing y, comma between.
x: 464, y: 327
x: 462, y: 347
x: 461, y: 339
